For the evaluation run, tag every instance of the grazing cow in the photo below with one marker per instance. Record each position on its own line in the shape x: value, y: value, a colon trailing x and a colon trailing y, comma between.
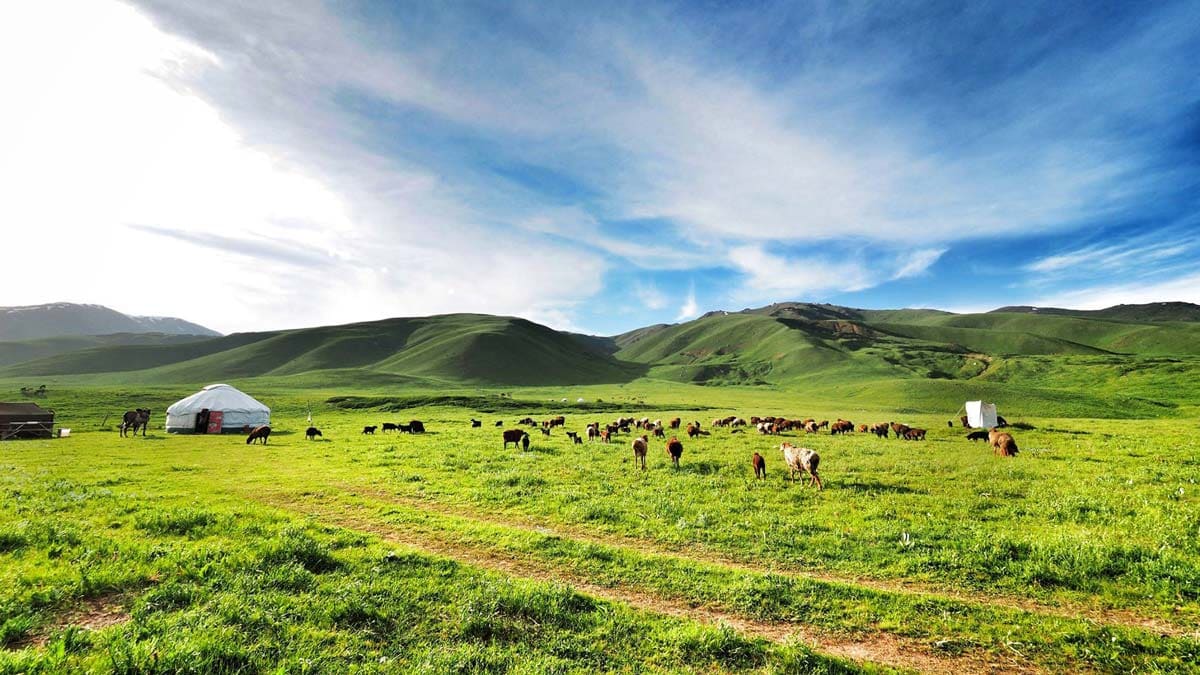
x: 415, y: 427
x: 259, y: 433
x: 555, y: 422
x: 980, y: 435
x: 135, y: 419
x: 525, y: 443
x: 605, y: 435
x: 823, y: 424
x: 675, y: 423
x: 760, y: 466
x: 312, y: 432
x: 693, y: 430
x: 572, y: 435
x: 810, y: 427
x: 862, y: 428
x: 658, y: 432
x: 675, y: 450
x: 475, y: 423
x: 737, y: 422
x: 593, y: 431
x: 1002, y: 443
x: 527, y: 420
x: 880, y: 430
x: 390, y: 426
x: 514, y: 436
x: 545, y: 431
x: 914, y: 435
x: 639, y: 451
x: 802, y: 460
x: 578, y: 440
x: 370, y: 430
x: 841, y: 427
x: 899, y: 429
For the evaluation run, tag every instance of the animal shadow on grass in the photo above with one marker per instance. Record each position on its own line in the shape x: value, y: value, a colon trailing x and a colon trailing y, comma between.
x: 703, y: 467
x: 543, y: 449
x: 875, y: 486
x: 1073, y: 432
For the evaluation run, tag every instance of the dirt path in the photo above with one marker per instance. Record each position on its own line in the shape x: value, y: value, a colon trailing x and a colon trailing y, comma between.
x: 1106, y: 616
x: 879, y: 648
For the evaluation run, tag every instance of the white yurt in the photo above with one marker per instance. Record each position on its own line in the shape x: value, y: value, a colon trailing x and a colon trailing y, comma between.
x: 237, y: 409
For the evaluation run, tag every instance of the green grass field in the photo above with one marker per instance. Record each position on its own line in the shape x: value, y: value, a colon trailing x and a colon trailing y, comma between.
x: 442, y: 552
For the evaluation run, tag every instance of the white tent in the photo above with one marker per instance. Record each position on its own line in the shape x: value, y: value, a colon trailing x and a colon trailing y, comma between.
x: 237, y: 409
x: 981, y: 415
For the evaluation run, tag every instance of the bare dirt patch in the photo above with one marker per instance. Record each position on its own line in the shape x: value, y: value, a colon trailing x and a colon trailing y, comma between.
x: 91, y: 614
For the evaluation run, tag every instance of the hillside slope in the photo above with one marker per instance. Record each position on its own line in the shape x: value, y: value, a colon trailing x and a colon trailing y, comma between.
x: 67, y: 319
x: 20, y: 351
x: 468, y: 348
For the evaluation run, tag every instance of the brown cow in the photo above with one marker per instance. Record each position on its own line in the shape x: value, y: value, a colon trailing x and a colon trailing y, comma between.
x: 605, y: 435
x: 675, y: 450
x: 914, y: 435
x: 760, y: 466
x: 514, y: 436
x: 639, y: 451
x: 693, y: 430
x: 862, y: 428
x: 1002, y: 443
x: 674, y: 424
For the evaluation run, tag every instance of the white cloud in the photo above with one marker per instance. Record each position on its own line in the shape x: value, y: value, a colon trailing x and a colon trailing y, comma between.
x: 649, y: 295
x: 690, y: 308
x: 142, y: 193
x: 1184, y: 288
x: 917, y: 262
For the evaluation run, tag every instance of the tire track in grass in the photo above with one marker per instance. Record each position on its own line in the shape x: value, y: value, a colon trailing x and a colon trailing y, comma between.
x: 880, y: 648
x: 1067, y: 610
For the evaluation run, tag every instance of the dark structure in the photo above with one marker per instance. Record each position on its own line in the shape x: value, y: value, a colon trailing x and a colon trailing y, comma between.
x: 25, y: 420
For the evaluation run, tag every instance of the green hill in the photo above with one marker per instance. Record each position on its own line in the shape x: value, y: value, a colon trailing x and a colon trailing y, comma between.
x: 1109, y: 364
x: 19, y: 351
x: 466, y: 348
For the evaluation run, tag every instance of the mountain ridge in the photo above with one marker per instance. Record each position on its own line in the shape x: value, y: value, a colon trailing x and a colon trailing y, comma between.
x: 66, y: 319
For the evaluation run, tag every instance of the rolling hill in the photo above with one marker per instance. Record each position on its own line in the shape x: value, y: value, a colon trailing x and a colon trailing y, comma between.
x: 63, y: 319
x: 468, y: 348
x: 1110, y: 362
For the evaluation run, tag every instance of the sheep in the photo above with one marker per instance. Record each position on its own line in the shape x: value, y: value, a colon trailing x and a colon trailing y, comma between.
x: 370, y: 430
x: 802, y: 460
x: 760, y: 466
x: 260, y: 433
x: 675, y: 450
x: 639, y: 451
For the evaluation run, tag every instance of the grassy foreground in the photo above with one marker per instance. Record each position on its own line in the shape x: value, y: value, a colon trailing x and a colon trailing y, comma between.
x: 1079, y: 554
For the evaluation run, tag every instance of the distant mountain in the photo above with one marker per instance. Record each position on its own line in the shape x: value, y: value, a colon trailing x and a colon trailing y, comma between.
x: 64, y: 319
x: 1154, y: 312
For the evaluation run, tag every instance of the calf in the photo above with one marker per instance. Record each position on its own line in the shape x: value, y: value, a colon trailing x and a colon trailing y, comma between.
x: 760, y: 466
x: 639, y: 451
x: 675, y: 450
x: 370, y: 430
x: 390, y: 426
x: 312, y: 432
x: 802, y: 460
x: 977, y: 436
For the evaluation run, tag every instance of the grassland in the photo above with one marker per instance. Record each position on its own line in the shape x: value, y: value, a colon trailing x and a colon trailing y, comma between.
x: 441, y: 552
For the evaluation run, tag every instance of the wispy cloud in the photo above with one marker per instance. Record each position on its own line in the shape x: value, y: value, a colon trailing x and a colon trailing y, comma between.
x: 690, y: 308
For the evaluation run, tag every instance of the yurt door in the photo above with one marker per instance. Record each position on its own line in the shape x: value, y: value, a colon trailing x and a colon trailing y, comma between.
x: 214, y: 421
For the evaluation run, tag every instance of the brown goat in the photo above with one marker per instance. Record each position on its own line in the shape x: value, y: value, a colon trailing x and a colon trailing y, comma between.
x: 675, y: 450
x: 760, y: 466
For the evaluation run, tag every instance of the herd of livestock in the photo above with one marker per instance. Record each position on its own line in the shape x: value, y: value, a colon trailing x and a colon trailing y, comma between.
x: 799, y: 460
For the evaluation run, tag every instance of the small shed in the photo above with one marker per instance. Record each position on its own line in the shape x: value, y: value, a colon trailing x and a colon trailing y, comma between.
x: 981, y: 415
x: 25, y: 420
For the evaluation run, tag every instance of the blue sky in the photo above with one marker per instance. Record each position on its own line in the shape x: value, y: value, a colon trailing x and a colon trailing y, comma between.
x: 602, y: 166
